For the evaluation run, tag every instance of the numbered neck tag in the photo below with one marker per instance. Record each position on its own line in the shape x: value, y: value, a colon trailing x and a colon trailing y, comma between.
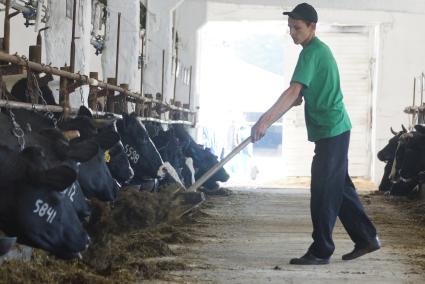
x: 107, y: 156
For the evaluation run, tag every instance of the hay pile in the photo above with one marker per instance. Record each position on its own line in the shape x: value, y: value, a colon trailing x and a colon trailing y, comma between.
x: 124, y: 238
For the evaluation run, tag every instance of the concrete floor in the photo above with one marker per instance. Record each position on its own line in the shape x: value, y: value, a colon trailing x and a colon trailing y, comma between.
x: 250, y: 236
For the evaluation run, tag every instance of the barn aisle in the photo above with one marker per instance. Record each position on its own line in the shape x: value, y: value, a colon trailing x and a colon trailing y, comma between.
x: 249, y: 237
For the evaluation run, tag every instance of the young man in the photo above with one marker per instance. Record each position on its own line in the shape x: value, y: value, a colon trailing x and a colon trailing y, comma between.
x: 316, y: 79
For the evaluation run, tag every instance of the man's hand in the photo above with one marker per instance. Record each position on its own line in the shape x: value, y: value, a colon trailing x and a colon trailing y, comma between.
x: 290, y: 97
x: 258, y: 130
x: 298, y: 101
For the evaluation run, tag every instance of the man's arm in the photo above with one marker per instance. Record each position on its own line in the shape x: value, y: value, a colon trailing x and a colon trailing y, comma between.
x: 289, y: 98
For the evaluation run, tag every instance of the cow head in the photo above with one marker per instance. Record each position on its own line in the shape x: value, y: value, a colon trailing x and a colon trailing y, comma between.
x: 388, y: 152
x: 36, y: 211
x: 19, y: 92
x: 141, y: 151
x: 93, y: 175
x: 115, y: 156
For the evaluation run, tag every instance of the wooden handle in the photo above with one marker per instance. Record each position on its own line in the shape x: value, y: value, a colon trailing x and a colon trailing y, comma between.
x: 216, y: 167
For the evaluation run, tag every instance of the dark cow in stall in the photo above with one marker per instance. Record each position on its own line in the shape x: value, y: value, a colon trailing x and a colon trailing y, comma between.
x: 408, y: 171
x: 94, y: 176
x: 33, y: 207
x: 410, y: 155
x: 171, y: 150
x: 115, y: 156
x: 56, y: 148
x: 143, y: 155
x: 387, y: 155
x: 203, y: 158
x: 19, y: 90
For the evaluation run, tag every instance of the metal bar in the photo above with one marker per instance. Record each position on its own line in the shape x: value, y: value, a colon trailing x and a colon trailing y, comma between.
x: 414, y: 90
x: 6, y: 34
x: 118, y: 47
x: 142, y: 64
x: 175, y: 68
x: 53, y: 108
x: 15, y: 59
x: 422, y: 88
x: 28, y: 106
x: 72, y: 56
x: 216, y: 167
x: 190, y: 85
x: 163, y: 71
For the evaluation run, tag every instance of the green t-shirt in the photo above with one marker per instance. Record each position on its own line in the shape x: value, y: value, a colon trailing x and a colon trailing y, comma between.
x: 316, y: 70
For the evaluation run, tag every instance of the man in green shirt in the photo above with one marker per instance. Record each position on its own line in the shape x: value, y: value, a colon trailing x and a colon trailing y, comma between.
x: 316, y: 80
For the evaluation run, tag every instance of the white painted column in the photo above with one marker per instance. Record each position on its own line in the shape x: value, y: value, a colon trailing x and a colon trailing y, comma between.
x: 188, y: 25
x: 58, y: 42
x: 159, y: 38
x: 129, y: 47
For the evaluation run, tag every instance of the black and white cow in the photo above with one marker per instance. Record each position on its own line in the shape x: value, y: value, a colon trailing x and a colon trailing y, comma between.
x: 57, y: 151
x: 203, y: 158
x: 33, y: 206
x: 387, y: 155
x: 117, y: 161
x: 141, y: 151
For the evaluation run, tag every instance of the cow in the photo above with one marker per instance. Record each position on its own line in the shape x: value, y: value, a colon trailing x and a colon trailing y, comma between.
x: 33, y: 207
x: 143, y: 155
x: 117, y: 163
x: 115, y: 157
x: 409, y: 163
x: 56, y: 149
x: 19, y: 90
x: 94, y: 176
x: 203, y: 158
x: 387, y: 155
x: 171, y: 151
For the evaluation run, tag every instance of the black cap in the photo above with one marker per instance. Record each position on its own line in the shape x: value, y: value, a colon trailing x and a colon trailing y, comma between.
x: 304, y: 12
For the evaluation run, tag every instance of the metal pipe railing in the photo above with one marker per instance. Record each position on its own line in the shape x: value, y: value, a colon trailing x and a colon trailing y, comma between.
x: 22, y: 61
x: 52, y: 108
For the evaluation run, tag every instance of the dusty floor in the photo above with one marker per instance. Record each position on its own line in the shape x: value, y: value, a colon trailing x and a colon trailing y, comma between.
x: 249, y: 237
x: 245, y: 237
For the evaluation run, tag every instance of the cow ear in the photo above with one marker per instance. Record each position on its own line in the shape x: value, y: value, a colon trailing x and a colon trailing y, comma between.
x: 420, y: 128
x: 107, y: 138
x: 82, y: 151
x: 58, y: 178
x: 84, y: 111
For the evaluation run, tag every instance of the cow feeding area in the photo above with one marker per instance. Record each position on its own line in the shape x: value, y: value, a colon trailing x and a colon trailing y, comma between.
x: 140, y: 226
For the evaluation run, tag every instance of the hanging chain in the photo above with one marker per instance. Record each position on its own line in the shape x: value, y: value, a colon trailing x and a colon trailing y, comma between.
x: 50, y: 115
x: 17, y: 130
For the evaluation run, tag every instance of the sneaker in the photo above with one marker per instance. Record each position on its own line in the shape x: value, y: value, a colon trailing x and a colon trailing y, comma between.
x: 309, y: 259
x: 359, y: 251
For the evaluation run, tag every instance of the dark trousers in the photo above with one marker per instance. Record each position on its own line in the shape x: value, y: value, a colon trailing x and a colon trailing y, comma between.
x: 333, y: 195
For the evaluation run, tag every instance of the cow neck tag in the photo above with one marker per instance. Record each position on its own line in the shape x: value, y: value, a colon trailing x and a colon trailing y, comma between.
x: 107, y: 156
